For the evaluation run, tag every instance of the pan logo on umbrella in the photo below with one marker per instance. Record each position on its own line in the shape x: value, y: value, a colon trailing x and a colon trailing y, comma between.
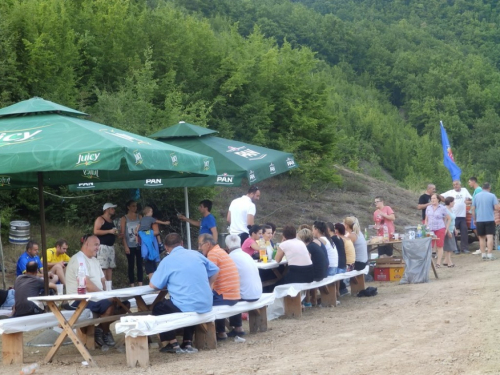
x: 10, y: 137
x: 251, y: 176
x: 85, y: 185
x: 272, y: 168
x: 91, y: 173
x: 88, y: 158
x: 175, y: 161
x: 153, y: 182
x: 206, y: 164
x: 224, y: 179
x: 4, y: 180
x: 138, y: 157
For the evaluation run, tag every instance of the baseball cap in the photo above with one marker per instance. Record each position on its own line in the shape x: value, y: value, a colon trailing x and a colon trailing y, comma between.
x: 108, y: 205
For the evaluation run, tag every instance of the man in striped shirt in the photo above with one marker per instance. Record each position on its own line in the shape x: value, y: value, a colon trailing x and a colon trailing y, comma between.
x: 226, y: 288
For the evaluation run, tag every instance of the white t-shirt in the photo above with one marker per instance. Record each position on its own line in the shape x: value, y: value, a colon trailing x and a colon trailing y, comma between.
x: 296, y: 252
x: 250, y: 283
x: 331, y: 250
x: 92, y: 270
x: 460, y: 196
x: 240, y: 208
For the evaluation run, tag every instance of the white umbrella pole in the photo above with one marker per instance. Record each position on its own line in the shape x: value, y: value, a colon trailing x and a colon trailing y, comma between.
x: 188, y: 227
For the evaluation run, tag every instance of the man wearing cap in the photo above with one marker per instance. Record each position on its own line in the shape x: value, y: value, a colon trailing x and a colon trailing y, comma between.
x: 105, y: 230
x: 242, y: 213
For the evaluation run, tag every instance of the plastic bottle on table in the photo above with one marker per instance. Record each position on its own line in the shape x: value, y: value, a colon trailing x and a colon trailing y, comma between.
x: 29, y: 369
x: 366, y: 234
x: 262, y: 248
x: 419, y: 231
x: 81, y: 280
x: 386, y: 233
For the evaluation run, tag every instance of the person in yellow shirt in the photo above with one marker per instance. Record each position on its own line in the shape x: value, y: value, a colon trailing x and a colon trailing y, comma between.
x: 57, y: 259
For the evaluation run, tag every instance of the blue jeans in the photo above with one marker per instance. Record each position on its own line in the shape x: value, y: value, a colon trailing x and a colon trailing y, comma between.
x: 332, y: 271
x: 341, y: 270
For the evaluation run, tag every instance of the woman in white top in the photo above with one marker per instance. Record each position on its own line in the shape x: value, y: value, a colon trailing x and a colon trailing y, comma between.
x: 320, y: 231
x: 300, y: 268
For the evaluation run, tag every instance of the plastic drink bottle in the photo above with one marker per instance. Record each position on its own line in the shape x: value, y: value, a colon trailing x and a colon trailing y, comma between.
x: 262, y: 249
x: 419, y: 231
x: 386, y: 233
x: 81, y: 280
x: 29, y: 369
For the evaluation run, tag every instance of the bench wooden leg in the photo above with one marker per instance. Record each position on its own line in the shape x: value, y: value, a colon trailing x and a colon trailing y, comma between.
x: 137, y: 351
x: 293, y: 306
x: 86, y: 336
x: 329, y: 295
x: 257, y: 320
x: 205, y: 336
x: 12, y: 348
x: 357, y: 284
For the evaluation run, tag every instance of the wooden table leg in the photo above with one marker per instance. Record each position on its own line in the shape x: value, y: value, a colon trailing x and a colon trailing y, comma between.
x: 68, y: 331
x: 159, y: 297
x: 434, y: 269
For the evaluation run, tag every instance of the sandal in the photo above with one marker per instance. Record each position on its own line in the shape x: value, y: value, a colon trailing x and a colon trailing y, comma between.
x: 451, y: 266
x: 445, y: 264
x: 438, y: 266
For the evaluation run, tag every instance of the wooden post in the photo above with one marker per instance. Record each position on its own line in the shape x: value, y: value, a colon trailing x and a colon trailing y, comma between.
x: 205, y: 336
x: 12, y: 348
x: 293, y: 306
x: 329, y: 295
x: 137, y: 351
x: 357, y: 284
x: 257, y: 320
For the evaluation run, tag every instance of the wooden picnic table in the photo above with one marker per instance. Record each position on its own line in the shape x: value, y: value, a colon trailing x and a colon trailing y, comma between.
x: 68, y: 326
x: 275, y: 267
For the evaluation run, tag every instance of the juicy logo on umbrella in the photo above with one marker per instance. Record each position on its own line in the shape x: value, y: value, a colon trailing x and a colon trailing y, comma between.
x: 138, y: 157
x: 88, y: 158
x: 175, y: 161
x: 224, y: 179
x: 246, y: 153
x: 91, y: 173
x: 11, y: 137
x: 4, y: 181
x: 290, y: 163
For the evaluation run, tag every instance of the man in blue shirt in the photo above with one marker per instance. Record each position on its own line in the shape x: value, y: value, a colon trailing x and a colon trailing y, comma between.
x: 188, y: 276
x: 31, y: 254
x: 483, y: 212
x: 207, y: 224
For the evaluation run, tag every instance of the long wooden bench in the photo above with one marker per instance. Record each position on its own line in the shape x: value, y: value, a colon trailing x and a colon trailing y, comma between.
x: 12, y: 331
x: 291, y: 293
x: 138, y: 328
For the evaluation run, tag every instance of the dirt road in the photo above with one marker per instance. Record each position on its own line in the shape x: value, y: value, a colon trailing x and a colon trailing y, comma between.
x: 448, y: 326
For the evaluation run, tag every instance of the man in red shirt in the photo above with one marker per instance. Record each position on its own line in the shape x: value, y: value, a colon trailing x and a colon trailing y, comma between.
x: 384, y: 216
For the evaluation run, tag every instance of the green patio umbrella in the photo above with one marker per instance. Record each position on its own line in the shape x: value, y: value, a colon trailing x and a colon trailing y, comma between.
x: 44, y: 143
x: 235, y: 161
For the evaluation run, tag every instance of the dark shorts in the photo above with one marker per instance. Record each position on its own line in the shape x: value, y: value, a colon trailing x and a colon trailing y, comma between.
x: 99, y: 307
x: 150, y: 266
x: 485, y: 228
x: 385, y: 250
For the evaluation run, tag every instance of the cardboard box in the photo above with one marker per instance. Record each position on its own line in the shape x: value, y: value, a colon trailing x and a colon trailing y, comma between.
x: 381, y: 274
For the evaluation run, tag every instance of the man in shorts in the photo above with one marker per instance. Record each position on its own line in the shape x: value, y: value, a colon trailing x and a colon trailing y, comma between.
x: 57, y: 259
x: 95, y: 283
x: 477, y: 189
x: 105, y: 230
x: 483, y: 212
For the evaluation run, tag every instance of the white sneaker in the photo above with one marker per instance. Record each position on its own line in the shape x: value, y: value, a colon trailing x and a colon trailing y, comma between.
x: 477, y: 252
x: 491, y: 258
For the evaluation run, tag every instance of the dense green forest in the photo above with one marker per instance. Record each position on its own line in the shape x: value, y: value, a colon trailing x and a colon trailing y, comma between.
x: 333, y: 81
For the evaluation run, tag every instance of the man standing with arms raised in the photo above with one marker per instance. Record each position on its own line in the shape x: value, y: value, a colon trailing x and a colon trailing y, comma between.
x: 207, y: 223
x: 425, y: 200
x: 483, y: 212
x: 461, y: 196
x: 242, y: 213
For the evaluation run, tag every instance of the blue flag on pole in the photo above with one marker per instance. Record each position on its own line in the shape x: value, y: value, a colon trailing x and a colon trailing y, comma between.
x: 448, y: 160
